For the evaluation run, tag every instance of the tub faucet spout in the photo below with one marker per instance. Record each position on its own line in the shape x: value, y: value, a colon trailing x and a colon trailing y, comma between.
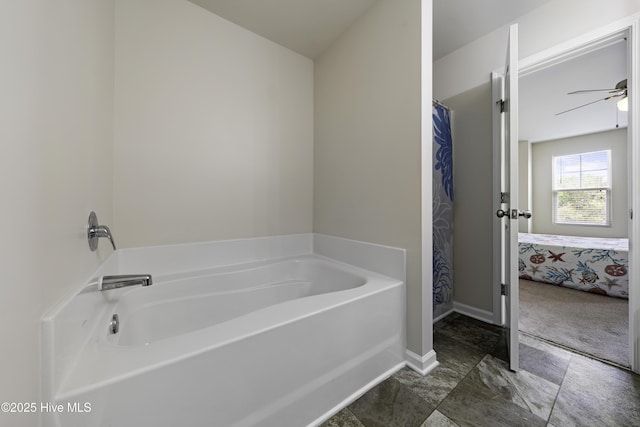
x: 106, y: 283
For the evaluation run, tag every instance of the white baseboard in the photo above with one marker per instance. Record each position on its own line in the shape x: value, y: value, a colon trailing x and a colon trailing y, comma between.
x: 421, y: 364
x: 476, y: 313
x: 443, y: 315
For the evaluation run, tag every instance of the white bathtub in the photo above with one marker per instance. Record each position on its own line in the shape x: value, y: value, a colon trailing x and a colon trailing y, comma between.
x: 278, y: 342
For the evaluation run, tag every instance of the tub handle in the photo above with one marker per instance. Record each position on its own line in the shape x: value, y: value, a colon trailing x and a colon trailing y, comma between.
x: 95, y: 231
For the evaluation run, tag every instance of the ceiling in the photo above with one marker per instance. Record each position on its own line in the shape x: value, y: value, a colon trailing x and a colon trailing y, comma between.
x: 304, y: 26
x: 544, y: 93
x: 459, y: 22
x: 310, y: 26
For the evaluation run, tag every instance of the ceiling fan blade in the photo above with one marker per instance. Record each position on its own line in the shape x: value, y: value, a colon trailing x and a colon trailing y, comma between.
x: 589, y: 103
x: 593, y: 90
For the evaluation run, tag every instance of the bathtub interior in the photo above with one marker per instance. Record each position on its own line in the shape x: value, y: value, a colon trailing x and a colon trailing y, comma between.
x: 185, y: 303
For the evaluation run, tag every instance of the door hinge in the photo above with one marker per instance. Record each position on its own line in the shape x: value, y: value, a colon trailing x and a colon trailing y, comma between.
x: 502, y: 104
x: 504, y: 197
x: 503, y: 289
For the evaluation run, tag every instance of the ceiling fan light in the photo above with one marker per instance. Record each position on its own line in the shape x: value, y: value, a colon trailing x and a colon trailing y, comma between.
x: 623, y: 104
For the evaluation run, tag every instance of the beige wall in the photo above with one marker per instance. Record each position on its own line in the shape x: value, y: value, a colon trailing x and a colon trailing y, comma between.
x: 542, y: 154
x: 213, y: 129
x: 213, y: 139
x: 367, y: 139
x: 473, y: 209
x: 56, y: 81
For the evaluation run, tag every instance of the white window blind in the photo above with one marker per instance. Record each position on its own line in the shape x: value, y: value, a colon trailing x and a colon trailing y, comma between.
x: 582, y: 188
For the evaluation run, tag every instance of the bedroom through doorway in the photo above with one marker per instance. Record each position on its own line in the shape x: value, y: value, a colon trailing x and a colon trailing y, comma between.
x: 573, y: 252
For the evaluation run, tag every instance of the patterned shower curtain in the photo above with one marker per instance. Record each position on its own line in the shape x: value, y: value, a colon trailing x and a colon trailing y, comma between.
x: 442, y: 209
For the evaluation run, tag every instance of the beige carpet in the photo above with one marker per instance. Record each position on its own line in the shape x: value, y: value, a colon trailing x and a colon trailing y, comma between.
x: 592, y: 324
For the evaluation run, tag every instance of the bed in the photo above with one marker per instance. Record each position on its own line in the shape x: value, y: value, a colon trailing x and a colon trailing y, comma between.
x: 598, y: 265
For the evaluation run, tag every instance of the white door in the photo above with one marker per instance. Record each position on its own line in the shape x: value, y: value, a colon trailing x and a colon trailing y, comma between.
x: 508, y: 211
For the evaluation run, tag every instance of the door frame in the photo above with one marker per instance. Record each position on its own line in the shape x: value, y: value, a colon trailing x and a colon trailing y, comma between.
x: 499, y: 308
x: 627, y: 27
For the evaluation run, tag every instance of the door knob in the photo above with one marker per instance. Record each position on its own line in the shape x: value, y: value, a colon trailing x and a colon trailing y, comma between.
x: 514, y: 214
x: 525, y: 214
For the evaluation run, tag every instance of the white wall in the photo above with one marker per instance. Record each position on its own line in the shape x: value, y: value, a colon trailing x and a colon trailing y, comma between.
x: 213, y: 129
x: 467, y: 70
x: 542, y: 161
x: 367, y: 148
x: 56, y: 81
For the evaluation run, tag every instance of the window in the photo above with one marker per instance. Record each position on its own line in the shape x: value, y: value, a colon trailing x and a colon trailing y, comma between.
x: 582, y: 188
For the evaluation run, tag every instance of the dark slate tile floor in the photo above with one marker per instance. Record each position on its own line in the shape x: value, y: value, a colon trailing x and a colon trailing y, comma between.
x: 473, y: 386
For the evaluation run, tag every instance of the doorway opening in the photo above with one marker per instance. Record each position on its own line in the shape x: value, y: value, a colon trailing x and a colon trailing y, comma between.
x: 573, y: 252
x: 608, y: 53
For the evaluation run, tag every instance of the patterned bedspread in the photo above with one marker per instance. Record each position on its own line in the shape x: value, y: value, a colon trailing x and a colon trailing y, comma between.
x: 586, y: 263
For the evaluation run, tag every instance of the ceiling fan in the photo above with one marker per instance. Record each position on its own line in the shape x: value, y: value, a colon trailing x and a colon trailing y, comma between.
x: 620, y: 91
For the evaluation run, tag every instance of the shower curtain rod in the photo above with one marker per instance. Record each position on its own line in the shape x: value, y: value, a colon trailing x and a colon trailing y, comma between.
x: 435, y: 102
